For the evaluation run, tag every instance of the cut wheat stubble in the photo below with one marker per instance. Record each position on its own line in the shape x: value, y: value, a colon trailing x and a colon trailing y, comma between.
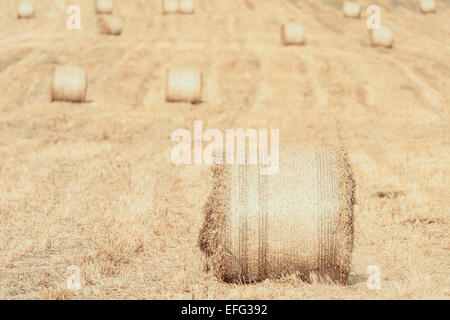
x: 69, y: 84
x: 299, y: 221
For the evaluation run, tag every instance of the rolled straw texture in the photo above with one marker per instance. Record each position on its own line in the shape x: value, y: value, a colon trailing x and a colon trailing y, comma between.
x: 427, y: 6
x: 351, y: 9
x: 187, y: 6
x: 297, y: 221
x: 110, y: 25
x: 169, y: 6
x: 69, y: 84
x: 382, y: 37
x: 292, y: 34
x: 105, y: 6
x: 184, y: 85
x: 25, y: 9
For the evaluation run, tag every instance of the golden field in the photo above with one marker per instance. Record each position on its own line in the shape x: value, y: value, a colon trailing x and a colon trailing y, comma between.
x: 93, y: 185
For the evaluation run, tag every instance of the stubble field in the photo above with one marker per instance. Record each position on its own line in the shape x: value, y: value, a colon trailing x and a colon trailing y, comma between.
x: 93, y: 184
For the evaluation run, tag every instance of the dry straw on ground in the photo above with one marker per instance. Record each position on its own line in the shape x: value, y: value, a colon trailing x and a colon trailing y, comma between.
x: 292, y: 34
x: 382, y: 37
x: 299, y: 220
x: 69, y: 84
x: 427, y: 6
x: 184, y: 85
x: 187, y: 6
x: 110, y: 25
x: 105, y: 6
x: 25, y: 9
x: 351, y: 9
x: 82, y: 183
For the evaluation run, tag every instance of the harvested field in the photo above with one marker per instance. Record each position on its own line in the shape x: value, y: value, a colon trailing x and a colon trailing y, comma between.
x: 92, y: 184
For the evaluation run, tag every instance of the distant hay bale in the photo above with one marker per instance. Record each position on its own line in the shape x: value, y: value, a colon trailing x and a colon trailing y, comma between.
x: 25, y: 9
x: 169, y: 6
x: 110, y: 25
x: 292, y: 34
x: 297, y: 221
x: 69, y: 84
x: 184, y: 85
x: 105, y: 6
x: 382, y: 37
x: 187, y: 6
x: 427, y: 6
x: 351, y: 9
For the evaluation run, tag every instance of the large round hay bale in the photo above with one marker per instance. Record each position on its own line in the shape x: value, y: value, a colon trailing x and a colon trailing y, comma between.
x: 427, y: 6
x: 169, y: 6
x: 184, y: 85
x: 292, y: 34
x: 351, y: 9
x: 299, y: 220
x: 382, y: 37
x: 25, y: 9
x: 69, y: 84
x: 110, y: 25
x: 186, y: 6
x: 105, y: 6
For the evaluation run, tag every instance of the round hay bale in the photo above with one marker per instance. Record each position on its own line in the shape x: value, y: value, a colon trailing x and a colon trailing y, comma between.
x: 110, y: 25
x: 382, y: 37
x: 351, y: 9
x: 184, y: 85
x: 105, y: 6
x: 292, y: 34
x: 297, y: 221
x: 69, y: 84
x: 427, y: 6
x: 25, y: 9
x: 169, y: 6
x: 187, y: 6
